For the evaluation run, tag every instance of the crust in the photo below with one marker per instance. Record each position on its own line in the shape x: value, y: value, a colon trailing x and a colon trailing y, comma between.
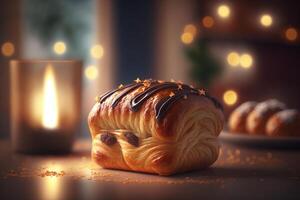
x: 185, y: 139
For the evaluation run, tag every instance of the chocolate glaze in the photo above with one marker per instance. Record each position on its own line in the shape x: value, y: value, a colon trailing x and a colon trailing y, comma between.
x: 138, y: 100
x: 179, y: 91
x: 109, y: 93
x: 124, y: 93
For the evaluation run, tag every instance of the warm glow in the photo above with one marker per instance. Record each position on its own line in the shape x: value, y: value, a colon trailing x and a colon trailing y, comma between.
x: 187, y: 38
x: 91, y: 72
x: 233, y: 59
x: 97, y: 51
x: 208, y: 22
x: 230, y: 97
x: 51, y: 184
x: 266, y: 20
x: 224, y: 11
x: 246, y: 60
x: 8, y: 49
x: 291, y: 34
x: 50, y: 107
x: 59, y: 47
x: 190, y: 28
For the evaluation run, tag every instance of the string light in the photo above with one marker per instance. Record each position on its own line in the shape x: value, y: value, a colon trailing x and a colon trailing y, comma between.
x: 291, y: 34
x: 246, y: 60
x: 233, y: 59
x: 208, y: 22
x: 230, y: 97
x: 91, y: 72
x: 190, y: 28
x: 223, y: 11
x: 266, y: 20
x: 187, y: 38
x: 97, y: 51
x: 59, y: 47
x: 8, y: 49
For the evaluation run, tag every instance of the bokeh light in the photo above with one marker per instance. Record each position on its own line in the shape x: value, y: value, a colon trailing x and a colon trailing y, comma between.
x: 187, y: 38
x: 291, y: 34
x: 266, y: 20
x: 59, y: 47
x: 233, y: 59
x: 230, y: 97
x: 190, y: 28
x: 223, y: 11
x: 208, y: 22
x: 8, y: 49
x: 246, y: 60
x: 97, y: 51
x: 91, y: 72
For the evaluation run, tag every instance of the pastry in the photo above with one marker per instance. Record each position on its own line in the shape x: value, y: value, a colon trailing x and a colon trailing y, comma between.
x: 155, y: 127
x: 237, y: 119
x: 284, y: 123
x: 257, y: 119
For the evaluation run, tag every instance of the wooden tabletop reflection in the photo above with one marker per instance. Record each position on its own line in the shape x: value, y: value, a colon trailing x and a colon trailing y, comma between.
x: 239, y: 172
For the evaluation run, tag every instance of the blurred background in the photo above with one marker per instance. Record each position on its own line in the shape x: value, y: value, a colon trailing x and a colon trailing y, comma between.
x: 237, y: 50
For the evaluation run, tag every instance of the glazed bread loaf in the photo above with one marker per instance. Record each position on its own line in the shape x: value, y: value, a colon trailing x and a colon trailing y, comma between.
x: 155, y: 127
x: 284, y: 123
x: 237, y: 119
x: 266, y: 118
x: 257, y: 119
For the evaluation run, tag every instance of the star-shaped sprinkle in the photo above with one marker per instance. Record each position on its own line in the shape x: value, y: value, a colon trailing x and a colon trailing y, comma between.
x: 202, y: 92
x: 120, y: 86
x: 171, y: 94
x: 179, y: 87
x: 97, y: 98
x: 146, y: 83
x: 138, y: 80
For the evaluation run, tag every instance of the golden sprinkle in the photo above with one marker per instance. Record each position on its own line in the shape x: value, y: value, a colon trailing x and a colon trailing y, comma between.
x: 171, y: 94
x: 172, y: 80
x: 179, y: 87
x: 121, y: 85
x: 146, y: 83
x: 180, y: 82
x: 97, y: 98
x: 160, y: 81
x: 185, y: 97
x: 191, y: 86
x: 138, y: 80
x: 202, y: 92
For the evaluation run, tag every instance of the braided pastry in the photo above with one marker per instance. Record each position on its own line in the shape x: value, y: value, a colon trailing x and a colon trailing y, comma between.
x: 155, y: 127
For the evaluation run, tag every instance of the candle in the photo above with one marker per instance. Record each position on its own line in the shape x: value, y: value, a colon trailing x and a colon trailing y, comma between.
x: 45, y: 105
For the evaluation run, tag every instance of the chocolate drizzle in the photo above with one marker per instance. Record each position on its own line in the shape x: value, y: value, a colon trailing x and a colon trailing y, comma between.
x: 109, y: 93
x: 178, y: 91
x: 124, y: 93
x: 137, y: 101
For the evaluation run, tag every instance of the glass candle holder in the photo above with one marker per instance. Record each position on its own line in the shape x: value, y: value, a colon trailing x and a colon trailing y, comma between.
x: 45, y: 105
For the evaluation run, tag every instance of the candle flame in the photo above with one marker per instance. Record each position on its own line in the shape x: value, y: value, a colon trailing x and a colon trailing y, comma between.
x: 50, y: 108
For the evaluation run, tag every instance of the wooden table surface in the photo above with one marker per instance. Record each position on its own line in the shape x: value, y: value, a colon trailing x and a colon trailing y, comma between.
x: 241, y: 173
